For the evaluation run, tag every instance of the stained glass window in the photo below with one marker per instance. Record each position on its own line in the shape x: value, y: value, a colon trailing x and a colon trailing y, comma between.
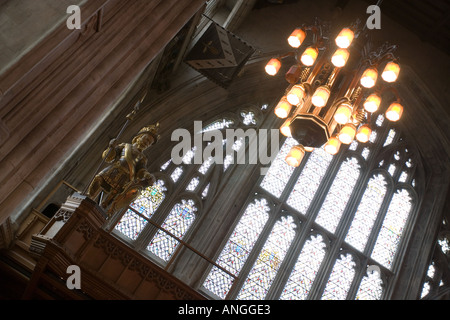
x: 131, y: 224
x: 371, y: 287
x: 301, y: 279
x: 392, y: 228
x: 218, y: 125
x: 390, y: 137
x: 309, y: 180
x: 248, y: 118
x: 178, y: 222
x: 238, y: 247
x: 445, y: 245
x: 176, y: 174
x: 340, y: 279
x: 269, y: 260
x: 337, y: 197
x: 279, y: 172
x: 367, y: 212
x: 193, y: 184
x: 150, y: 199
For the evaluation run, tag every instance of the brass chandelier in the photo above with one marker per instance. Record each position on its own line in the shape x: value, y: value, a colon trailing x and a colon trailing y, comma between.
x: 333, y: 88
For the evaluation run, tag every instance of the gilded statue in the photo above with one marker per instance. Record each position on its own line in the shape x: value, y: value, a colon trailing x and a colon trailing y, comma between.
x: 126, y: 176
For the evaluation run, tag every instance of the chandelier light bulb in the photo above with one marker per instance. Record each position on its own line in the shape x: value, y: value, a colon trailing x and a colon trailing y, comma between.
x: 309, y: 56
x: 296, y: 38
x: 390, y: 72
x: 372, y: 103
x: 273, y: 66
x: 283, y: 108
x: 345, y: 38
x: 343, y: 113
x: 320, y: 96
x: 340, y: 57
x: 394, y: 112
x: 332, y: 146
x: 285, y: 129
x: 295, y: 95
x: 363, y: 134
x: 369, y: 78
x: 295, y: 156
x: 347, y: 133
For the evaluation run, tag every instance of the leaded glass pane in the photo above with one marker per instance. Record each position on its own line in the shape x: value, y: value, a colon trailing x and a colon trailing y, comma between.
x: 131, y: 224
x: 205, y: 192
x: 238, y: 247
x: 279, y: 172
x: 365, y: 153
x: 165, y: 165
x: 353, y: 145
x: 337, y: 197
x: 301, y: 279
x: 445, y: 245
x: 340, y: 279
x: 390, y: 137
x: 187, y: 158
x: 371, y: 287
x: 178, y: 222
x: 367, y: 212
x: 392, y: 228
x: 218, y: 125
x: 403, y: 177
x: 426, y: 289
x: 248, y: 118
x: 230, y: 158
x: 373, y: 136
x: 206, y: 165
x: 176, y: 174
x: 193, y: 184
x: 307, y: 184
x: 150, y: 199
x: 380, y: 120
x: 272, y: 255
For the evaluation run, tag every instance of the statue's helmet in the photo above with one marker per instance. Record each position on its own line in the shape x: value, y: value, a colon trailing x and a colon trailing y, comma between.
x: 151, y: 130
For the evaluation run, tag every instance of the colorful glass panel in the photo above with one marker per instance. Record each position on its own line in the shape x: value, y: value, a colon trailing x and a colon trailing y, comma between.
x: 177, y: 222
x: 279, y: 172
x: 337, y: 197
x: 392, y: 228
x: 367, y: 212
x: 269, y: 260
x: 305, y: 270
x: 340, y: 279
x: 238, y: 247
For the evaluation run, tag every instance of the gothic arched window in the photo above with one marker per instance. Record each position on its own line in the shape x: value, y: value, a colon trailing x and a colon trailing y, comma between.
x: 335, y: 225
x: 178, y: 196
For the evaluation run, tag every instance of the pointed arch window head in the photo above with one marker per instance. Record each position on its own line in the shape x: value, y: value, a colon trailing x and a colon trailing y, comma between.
x: 340, y: 279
